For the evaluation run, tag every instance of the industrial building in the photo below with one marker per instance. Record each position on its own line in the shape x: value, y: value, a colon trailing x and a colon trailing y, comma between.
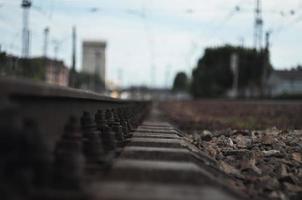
x: 94, y: 58
x: 285, y: 82
x: 36, y: 68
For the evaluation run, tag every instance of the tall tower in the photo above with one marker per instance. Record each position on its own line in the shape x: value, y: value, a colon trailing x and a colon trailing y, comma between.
x: 258, y: 29
x: 94, y: 59
x: 45, y: 46
x: 26, y: 4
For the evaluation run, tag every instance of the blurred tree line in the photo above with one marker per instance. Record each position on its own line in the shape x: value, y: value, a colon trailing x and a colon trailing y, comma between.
x: 181, y: 82
x: 19, y: 67
x: 213, y: 76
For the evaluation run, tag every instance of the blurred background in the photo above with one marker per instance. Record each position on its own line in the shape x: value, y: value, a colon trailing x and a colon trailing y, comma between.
x: 162, y: 49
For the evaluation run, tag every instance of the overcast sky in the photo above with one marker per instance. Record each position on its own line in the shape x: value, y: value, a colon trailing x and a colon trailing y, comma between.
x: 166, y: 35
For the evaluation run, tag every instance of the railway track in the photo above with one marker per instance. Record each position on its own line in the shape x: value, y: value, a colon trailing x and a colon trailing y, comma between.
x: 59, y: 143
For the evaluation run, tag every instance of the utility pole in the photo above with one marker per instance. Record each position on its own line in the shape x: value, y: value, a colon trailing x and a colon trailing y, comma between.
x: 167, y: 76
x: 120, y: 76
x: 265, y: 64
x: 74, y: 48
x: 235, y: 69
x: 153, y: 75
x: 72, y: 75
x: 267, y: 39
x: 45, y: 46
x: 241, y: 42
x: 56, y: 47
x: 258, y: 26
x: 26, y: 4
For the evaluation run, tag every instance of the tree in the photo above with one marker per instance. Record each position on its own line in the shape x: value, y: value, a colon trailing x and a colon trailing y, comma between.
x: 180, y: 82
x: 213, y: 76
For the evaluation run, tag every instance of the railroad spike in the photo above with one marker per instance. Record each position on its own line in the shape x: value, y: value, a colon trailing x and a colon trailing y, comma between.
x: 92, y: 143
x: 119, y: 135
x: 69, y: 159
x: 108, y: 138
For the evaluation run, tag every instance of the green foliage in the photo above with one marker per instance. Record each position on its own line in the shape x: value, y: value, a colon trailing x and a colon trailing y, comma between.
x: 88, y: 81
x: 26, y: 68
x: 213, y: 76
x: 180, y: 82
x: 33, y: 68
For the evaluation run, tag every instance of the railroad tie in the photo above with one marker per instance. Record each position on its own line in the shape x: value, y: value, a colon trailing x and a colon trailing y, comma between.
x: 158, y: 163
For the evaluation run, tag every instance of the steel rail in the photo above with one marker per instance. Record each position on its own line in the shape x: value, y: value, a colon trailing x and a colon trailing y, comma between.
x: 46, y: 130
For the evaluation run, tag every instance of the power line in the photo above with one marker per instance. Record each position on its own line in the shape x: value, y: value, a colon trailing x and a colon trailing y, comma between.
x: 288, y: 25
x: 229, y: 16
x: 150, y: 41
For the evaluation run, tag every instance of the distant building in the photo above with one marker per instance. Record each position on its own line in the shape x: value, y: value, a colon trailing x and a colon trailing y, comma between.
x: 158, y: 94
x: 56, y: 72
x: 283, y: 82
x: 38, y: 68
x: 94, y: 59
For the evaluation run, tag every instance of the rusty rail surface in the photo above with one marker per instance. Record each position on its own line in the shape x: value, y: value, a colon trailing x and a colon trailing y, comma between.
x: 60, y: 143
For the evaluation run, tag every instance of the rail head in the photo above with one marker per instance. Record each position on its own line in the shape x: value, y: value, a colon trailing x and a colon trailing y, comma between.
x: 12, y: 87
x: 50, y: 107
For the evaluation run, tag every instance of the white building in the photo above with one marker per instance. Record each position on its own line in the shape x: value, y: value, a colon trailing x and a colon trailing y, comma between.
x: 94, y: 58
x: 283, y: 82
